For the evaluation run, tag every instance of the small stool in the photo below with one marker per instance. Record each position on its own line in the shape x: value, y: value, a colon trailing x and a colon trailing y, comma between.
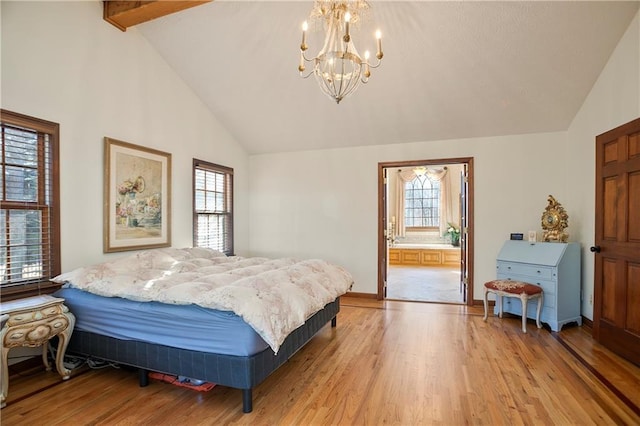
x: 523, y: 291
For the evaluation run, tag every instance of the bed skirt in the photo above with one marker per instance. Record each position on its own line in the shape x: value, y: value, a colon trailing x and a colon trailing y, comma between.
x: 241, y: 372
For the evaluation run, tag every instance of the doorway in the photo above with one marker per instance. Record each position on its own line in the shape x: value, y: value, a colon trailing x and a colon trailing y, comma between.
x: 425, y: 246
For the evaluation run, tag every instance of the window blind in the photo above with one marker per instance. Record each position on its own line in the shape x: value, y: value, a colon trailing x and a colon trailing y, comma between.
x: 29, y: 211
x: 213, y: 206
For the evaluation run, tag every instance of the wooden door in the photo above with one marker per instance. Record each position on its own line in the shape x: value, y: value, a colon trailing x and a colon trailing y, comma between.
x: 464, y: 272
x: 383, y: 233
x: 616, y: 322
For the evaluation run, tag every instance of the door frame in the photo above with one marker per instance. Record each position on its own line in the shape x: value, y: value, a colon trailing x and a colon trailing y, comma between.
x: 382, y: 219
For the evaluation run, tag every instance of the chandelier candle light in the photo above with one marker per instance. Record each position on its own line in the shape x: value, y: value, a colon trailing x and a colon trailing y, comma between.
x: 338, y: 67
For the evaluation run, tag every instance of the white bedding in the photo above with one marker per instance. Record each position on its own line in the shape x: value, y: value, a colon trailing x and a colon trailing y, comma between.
x: 274, y: 296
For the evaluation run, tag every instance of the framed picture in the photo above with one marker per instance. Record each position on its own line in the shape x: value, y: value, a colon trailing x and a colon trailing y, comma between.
x: 137, y: 197
x: 533, y: 236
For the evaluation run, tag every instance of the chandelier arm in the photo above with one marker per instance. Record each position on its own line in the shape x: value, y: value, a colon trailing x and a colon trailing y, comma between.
x: 305, y: 57
x: 308, y: 75
x: 376, y: 65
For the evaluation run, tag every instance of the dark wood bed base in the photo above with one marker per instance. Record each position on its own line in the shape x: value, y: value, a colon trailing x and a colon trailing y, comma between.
x: 241, y: 372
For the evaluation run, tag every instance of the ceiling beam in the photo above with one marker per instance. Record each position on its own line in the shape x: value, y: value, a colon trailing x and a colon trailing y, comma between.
x: 125, y: 14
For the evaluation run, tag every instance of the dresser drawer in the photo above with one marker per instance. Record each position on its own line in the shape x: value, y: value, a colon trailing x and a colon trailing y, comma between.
x: 35, y: 333
x: 513, y: 306
x: 524, y: 270
x: 548, y: 288
x: 29, y: 316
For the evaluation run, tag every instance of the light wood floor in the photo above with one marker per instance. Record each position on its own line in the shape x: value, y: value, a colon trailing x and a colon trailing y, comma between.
x: 386, y: 362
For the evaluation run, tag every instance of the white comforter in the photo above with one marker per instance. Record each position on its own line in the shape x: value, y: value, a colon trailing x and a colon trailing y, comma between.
x: 274, y: 296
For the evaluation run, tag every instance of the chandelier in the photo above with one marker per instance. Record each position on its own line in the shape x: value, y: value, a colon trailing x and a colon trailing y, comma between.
x: 338, y: 67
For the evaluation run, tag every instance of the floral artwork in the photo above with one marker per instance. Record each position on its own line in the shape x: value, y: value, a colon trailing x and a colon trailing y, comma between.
x: 136, y: 207
x: 137, y: 196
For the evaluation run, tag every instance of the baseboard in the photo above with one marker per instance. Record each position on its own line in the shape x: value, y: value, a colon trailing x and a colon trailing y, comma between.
x: 375, y: 296
x: 361, y: 295
x: 587, y: 322
x: 25, y: 366
x: 477, y: 302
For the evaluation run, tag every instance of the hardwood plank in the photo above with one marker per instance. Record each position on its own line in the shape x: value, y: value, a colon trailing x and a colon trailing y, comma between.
x: 620, y: 373
x: 386, y: 362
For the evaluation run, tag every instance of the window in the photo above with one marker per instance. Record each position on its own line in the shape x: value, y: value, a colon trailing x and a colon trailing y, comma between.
x: 213, y: 206
x: 29, y: 206
x: 422, y: 203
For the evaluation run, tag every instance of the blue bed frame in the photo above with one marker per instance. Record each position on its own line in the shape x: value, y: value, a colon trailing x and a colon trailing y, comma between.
x: 241, y: 372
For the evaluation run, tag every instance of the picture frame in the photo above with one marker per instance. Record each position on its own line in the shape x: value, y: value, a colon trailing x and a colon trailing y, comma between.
x: 137, y: 197
x: 533, y: 236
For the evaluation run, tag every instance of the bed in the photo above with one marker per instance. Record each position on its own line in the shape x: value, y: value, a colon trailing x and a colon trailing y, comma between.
x: 198, y: 314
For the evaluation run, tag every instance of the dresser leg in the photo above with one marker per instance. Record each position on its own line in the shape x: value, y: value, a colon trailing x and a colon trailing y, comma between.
x: 63, y: 342
x: 45, y: 358
x: 5, y: 376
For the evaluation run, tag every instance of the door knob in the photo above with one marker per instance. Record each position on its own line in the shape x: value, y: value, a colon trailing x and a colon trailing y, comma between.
x: 595, y: 249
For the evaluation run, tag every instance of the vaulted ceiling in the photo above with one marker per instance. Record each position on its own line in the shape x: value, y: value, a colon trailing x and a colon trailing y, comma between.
x: 451, y: 69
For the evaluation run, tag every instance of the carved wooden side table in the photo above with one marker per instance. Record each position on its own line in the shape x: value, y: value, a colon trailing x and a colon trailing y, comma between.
x: 31, y: 322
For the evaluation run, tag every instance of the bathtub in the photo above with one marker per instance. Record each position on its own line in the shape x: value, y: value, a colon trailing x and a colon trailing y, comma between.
x: 421, y: 254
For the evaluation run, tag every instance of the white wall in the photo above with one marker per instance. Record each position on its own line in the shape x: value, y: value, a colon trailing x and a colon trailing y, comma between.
x: 614, y: 100
x: 325, y: 203
x: 61, y: 62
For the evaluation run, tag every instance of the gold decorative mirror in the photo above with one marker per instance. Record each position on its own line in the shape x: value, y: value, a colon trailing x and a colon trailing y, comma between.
x: 554, y: 221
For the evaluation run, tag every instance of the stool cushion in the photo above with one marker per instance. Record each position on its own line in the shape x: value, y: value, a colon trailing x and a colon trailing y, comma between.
x: 514, y: 287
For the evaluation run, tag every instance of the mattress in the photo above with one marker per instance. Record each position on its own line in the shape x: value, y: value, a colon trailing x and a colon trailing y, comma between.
x: 273, y: 296
x: 188, y: 327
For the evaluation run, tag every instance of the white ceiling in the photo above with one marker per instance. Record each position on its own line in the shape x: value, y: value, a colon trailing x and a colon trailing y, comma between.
x: 450, y: 70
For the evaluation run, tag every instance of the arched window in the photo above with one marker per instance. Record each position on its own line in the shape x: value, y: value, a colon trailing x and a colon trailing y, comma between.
x: 422, y: 203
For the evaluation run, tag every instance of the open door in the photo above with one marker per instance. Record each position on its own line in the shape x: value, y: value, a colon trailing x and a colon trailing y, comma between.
x: 616, y: 318
x: 464, y: 214
x: 383, y: 237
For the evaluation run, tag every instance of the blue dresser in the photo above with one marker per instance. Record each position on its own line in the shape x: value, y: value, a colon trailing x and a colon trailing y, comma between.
x: 553, y: 266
